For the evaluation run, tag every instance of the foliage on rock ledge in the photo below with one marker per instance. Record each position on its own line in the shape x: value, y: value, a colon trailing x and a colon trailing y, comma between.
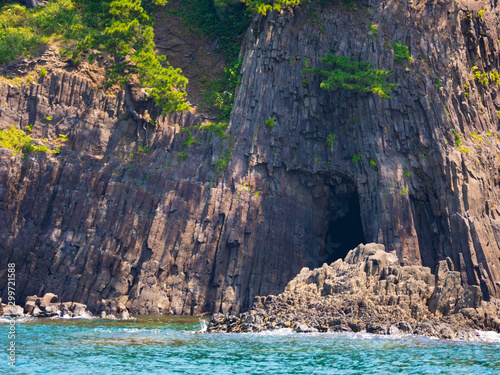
x: 20, y: 142
x: 129, y: 38
x: 265, y: 6
x: 121, y: 28
x: 345, y: 73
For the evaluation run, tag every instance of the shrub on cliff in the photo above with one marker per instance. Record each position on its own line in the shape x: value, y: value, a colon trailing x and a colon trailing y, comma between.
x: 265, y: 6
x: 345, y: 73
x: 121, y: 28
x: 129, y: 39
x: 20, y: 142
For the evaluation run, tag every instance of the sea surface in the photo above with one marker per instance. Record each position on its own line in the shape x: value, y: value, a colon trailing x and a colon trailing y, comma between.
x: 170, y: 345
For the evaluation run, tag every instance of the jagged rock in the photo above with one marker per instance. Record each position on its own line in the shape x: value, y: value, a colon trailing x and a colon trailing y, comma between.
x: 80, y: 310
x: 29, y: 306
x: 53, y: 309
x: 46, y: 300
x: 304, y: 328
x: 13, y: 310
x: 36, y: 312
x: 369, y: 291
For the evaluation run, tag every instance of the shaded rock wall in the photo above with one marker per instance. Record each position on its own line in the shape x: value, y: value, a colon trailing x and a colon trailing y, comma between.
x: 424, y: 198
x: 161, y: 236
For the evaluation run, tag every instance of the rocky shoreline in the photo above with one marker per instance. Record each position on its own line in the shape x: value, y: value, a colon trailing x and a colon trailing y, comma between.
x: 49, y: 306
x: 370, y: 292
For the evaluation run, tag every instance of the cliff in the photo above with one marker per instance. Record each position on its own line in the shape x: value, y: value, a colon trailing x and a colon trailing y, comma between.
x: 160, y: 234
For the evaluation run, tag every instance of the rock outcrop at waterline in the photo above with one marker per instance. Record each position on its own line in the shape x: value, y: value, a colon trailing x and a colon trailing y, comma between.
x: 369, y: 291
x: 163, y: 234
x: 49, y: 306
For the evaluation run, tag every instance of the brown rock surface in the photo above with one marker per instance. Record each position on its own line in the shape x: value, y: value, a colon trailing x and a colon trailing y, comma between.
x: 369, y: 291
x: 105, y: 221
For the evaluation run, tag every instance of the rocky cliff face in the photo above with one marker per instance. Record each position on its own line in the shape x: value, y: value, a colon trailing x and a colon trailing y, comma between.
x: 160, y: 235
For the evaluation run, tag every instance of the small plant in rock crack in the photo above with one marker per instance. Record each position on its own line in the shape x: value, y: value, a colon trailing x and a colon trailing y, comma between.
x: 401, y: 52
x: 458, y: 142
x: 270, y: 123
x: 330, y: 139
x: 182, y: 156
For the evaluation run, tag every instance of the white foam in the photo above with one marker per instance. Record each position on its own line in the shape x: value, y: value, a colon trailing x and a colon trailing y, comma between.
x: 203, y: 325
x: 488, y: 336
x: 8, y: 320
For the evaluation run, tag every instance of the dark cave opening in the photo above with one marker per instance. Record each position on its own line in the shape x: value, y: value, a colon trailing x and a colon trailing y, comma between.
x: 345, y: 230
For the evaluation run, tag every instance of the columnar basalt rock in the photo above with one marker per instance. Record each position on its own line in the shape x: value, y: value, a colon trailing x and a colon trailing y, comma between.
x: 105, y: 220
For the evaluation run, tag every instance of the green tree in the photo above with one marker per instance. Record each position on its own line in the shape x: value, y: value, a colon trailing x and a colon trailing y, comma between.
x: 265, y: 6
x: 129, y: 38
x: 345, y: 73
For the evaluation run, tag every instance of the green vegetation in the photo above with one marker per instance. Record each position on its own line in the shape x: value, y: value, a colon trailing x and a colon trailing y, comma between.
x: 480, y: 14
x: 121, y: 28
x: 343, y: 72
x: 476, y: 138
x: 495, y: 77
x: 219, y: 129
x: 220, y: 93
x: 330, y: 139
x: 484, y: 78
x: 458, y: 142
x: 224, y: 158
x: 265, y: 6
x: 466, y: 89
x: 401, y: 52
x: 190, y: 140
x: 24, y: 32
x: 373, y: 163
x: 407, y: 173
x: 356, y: 158
x: 129, y: 38
x: 270, y: 123
x: 48, y: 118
x: 18, y: 141
x: 374, y: 29
x: 437, y: 82
x: 227, y: 26
x: 480, y: 76
x: 183, y: 155
x: 43, y: 72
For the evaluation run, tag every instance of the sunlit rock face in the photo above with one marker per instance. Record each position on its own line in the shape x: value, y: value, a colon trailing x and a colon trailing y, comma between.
x: 159, y: 234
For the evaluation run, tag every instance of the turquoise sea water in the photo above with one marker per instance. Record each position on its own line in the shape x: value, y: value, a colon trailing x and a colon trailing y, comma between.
x: 168, y: 345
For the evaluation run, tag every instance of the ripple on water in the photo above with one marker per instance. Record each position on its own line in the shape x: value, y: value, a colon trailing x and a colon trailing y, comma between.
x: 167, y: 345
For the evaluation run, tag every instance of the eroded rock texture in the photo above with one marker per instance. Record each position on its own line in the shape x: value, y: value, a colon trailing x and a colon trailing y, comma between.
x: 160, y: 235
x: 369, y: 291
